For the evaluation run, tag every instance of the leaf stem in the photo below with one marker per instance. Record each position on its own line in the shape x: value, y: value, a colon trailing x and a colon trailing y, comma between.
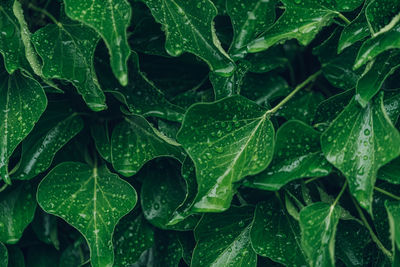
x: 340, y: 193
x: 298, y: 88
x: 45, y: 12
x: 380, y: 190
x: 3, y: 187
x: 312, y: 179
x: 371, y: 232
x: 346, y: 20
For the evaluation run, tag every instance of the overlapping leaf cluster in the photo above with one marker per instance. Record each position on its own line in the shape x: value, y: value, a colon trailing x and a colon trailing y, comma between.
x: 199, y: 133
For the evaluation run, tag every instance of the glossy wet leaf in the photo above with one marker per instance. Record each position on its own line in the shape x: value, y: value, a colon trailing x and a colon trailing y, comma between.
x: 276, y: 235
x: 11, y: 45
x: 358, y: 143
x: 140, y: 96
x: 297, y: 155
x: 302, y: 20
x: 380, y: 13
x: 227, y: 140
x: 50, y: 134
x: 3, y: 255
x: 110, y: 20
x: 390, y: 172
x: 375, y: 74
x: 318, y: 223
x: 133, y: 235
x: 101, y: 137
x: 392, y: 106
x: 224, y: 239
x: 144, y: 144
x: 189, y: 28
x: 22, y: 103
x: 17, y: 208
x: 92, y: 200
x: 167, y: 250
x: 351, y: 240
x: 393, y: 211
x: 267, y: 60
x: 67, y: 51
x: 249, y: 18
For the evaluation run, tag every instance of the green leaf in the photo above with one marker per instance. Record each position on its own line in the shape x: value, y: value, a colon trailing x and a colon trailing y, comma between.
x: 249, y: 18
x: 380, y: 13
x: 224, y: 239
x: 102, y: 140
x: 45, y: 227
x: 351, y: 240
x: 392, y: 106
x: 110, y: 19
x: 55, y: 128
x: 167, y: 249
x: 17, y: 208
x: 189, y: 27
x: 297, y: 155
x: 132, y: 236
x: 22, y: 103
x: 358, y: 143
x: 390, y: 172
x: 302, y: 20
x: 11, y: 45
x: 318, y: 223
x: 67, y: 51
x: 3, y: 255
x: 276, y: 235
x: 15, y: 257
x: 42, y: 256
x: 92, y: 200
x: 227, y: 140
x: 357, y: 30
x: 135, y: 141
x: 393, y: 210
x: 375, y: 74
x: 267, y: 60
x: 140, y: 96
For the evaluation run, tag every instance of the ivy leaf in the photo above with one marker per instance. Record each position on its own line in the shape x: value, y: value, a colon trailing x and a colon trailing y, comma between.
x: 249, y: 18
x: 297, y: 155
x: 227, y: 140
x: 22, y: 103
x: 380, y: 13
x: 135, y: 142
x: 67, y: 51
x: 189, y: 27
x: 167, y: 249
x: 375, y: 74
x: 267, y: 60
x: 224, y: 239
x: 276, y: 235
x: 358, y: 143
x: 357, y: 30
x: 17, y: 208
x: 351, y: 240
x: 140, y: 96
x: 318, y: 223
x: 92, y: 200
x: 11, y: 45
x: 133, y: 235
x: 393, y: 211
x: 3, y: 255
x: 392, y: 107
x: 390, y: 172
x: 302, y: 20
x: 51, y: 133
x: 102, y: 140
x: 110, y: 19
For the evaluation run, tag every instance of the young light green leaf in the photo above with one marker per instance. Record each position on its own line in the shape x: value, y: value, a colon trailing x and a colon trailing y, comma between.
x: 297, y: 155
x: 135, y: 142
x: 276, y: 235
x: 110, y: 19
x: 133, y: 235
x: 375, y: 74
x: 390, y: 172
x: 11, y: 45
x: 224, y: 239
x: 67, y: 51
x: 17, y: 208
x: 302, y: 20
x: 22, y: 103
x: 92, y: 200
x: 318, y: 223
x: 51, y: 133
x: 3, y: 255
x: 227, y: 140
x: 393, y: 211
x: 189, y: 27
x: 358, y: 143
x: 249, y: 18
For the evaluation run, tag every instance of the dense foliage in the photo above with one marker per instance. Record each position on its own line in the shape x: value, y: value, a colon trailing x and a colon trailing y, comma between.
x: 199, y: 132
